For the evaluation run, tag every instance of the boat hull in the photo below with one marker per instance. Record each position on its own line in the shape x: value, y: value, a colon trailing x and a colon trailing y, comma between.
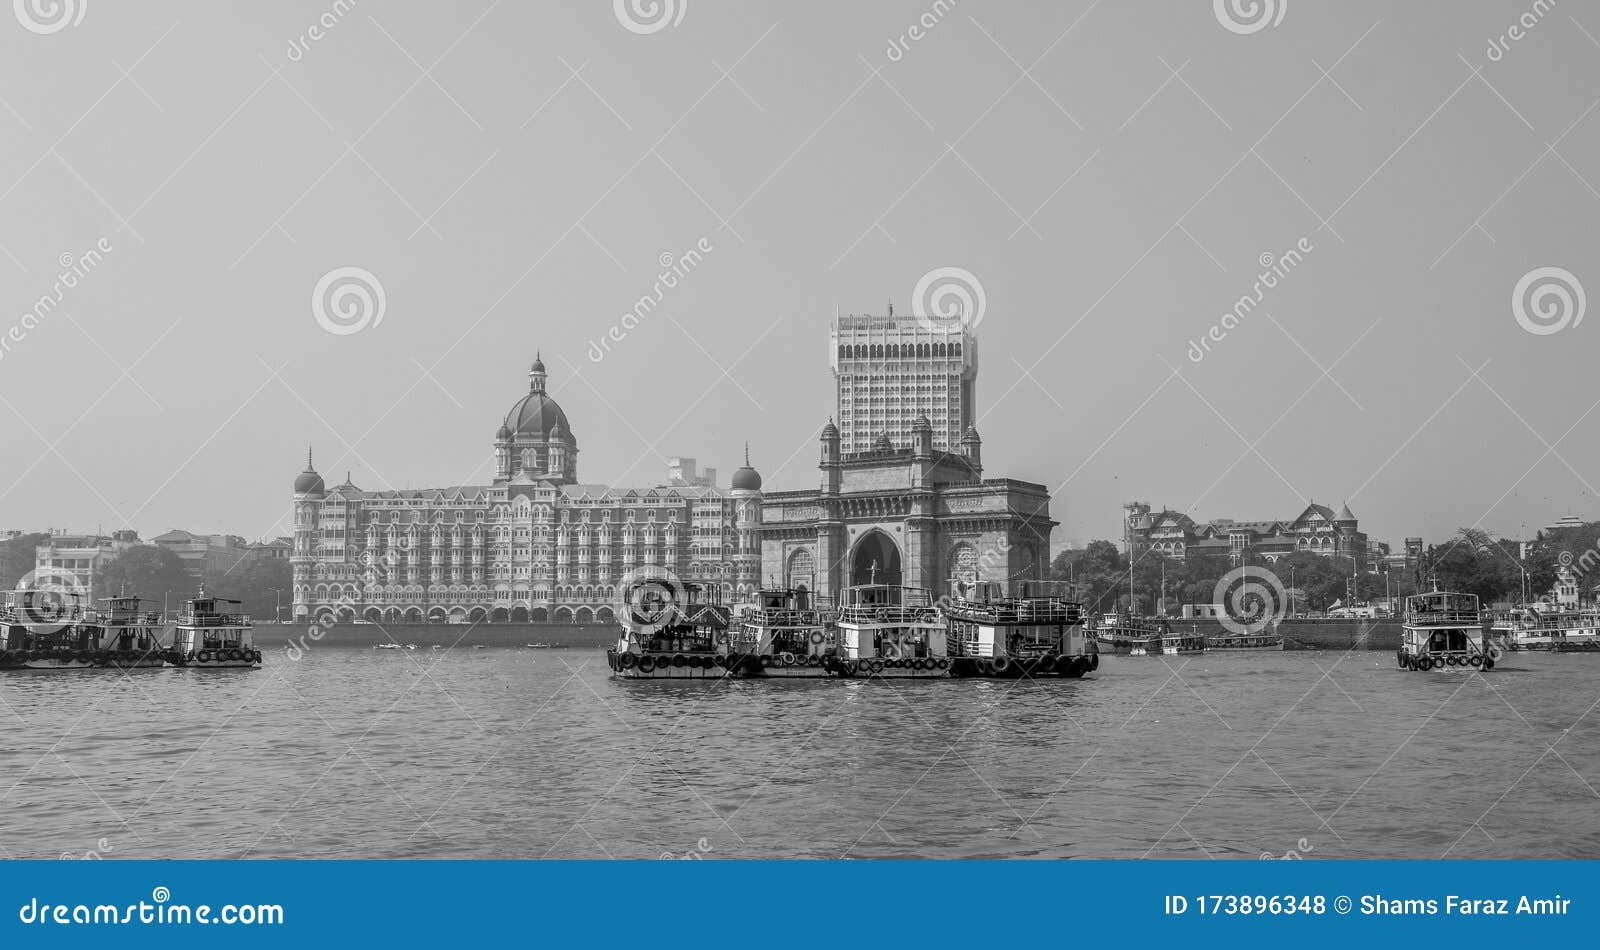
x: 1243, y: 644
x: 233, y: 659
x: 929, y: 668
x: 672, y: 666
x: 89, y: 660
x: 1456, y: 661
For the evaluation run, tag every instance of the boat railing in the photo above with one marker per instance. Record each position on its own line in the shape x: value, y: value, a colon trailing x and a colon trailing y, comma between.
x: 212, y: 619
x: 1031, y: 610
x: 789, y: 617
x: 1443, y: 618
x: 887, y: 613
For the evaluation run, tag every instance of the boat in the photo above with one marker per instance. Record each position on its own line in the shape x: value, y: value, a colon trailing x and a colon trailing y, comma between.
x: 671, y: 630
x: 785, y: 634
x: 1444, y: 631
x: 46, y: 630
x: 1032, y: 632
x: 130, y: 638
x: 1243, y: 640
x: 209, y: 637
x: 1550, y: 631
x: 889, y: 631
x: 1144, y: 636
x: 387, y: 646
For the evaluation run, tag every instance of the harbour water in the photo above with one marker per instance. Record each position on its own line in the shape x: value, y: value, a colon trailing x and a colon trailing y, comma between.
x: 526, y: 753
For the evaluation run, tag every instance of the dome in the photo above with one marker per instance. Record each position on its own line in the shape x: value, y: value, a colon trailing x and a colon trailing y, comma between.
x: 883, y: 444
x: 971, y: 436
x: 308, y: 482
x: 922, y: 423
x: 746, y: 478
x: 534, y: 416
x: 830, y: 431
x: 504, y: 433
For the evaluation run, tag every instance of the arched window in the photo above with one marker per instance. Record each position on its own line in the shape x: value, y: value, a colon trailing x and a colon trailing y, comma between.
x: 802, y: 569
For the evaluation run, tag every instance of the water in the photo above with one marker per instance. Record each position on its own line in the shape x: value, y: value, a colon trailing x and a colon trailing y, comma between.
x: 514, y: 753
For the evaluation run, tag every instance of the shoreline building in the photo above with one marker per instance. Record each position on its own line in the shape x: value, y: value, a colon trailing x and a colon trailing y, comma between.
x: 534, y: 544
x: 1316, y: 530
x: 889, y: 370
x: 75, y: 560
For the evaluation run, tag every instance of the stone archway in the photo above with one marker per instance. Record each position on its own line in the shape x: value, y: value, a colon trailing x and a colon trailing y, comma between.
x: 477, y: 615
x: 876, y: 560
x: 500, y: 615
x: 519, y: 615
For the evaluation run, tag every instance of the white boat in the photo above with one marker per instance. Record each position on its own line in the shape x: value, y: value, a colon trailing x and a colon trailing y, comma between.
x: 209, y: 637
x: 1444, y: 631
x: 1030, y: 631
x: 785, y: 634
x: 1570, y: 631
x: 891, y: 632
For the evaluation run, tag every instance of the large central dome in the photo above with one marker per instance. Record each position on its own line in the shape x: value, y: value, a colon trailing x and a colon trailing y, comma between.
x: 536, y: 417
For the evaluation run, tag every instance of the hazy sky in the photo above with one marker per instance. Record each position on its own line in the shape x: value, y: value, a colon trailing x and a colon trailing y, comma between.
x: 511, y: 173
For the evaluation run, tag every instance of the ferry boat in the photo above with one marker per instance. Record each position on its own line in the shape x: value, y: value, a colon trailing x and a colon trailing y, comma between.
x: 129, y: 639
x: 1444, y: 631
x: 1144, y: 636
x: 889, y: 631
x: 1549, y: 631
x: 46, y: 630
x: 672, y: 630
x: 1032, y: 632
x: 208, y: 637
x: 785, y: 634
x: 1233, y: 641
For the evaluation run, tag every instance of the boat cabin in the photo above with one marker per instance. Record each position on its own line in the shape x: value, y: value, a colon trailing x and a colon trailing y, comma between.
x: 212, y: 623
x: 1031, y: 619
x: 883, y: 620
x: 784, y: 620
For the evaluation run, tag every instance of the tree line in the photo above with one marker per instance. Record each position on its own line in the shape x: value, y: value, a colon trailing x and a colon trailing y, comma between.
x: 1472, y: 562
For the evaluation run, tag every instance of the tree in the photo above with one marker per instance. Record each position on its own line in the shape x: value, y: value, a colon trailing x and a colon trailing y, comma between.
x: 148, y: 571
x: 17, y: 557
x: 260, y: 585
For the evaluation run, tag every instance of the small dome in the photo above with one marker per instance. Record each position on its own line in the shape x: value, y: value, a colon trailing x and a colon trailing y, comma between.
x: 830, y: 431
x: 504, y: 433
x: 538, y: 363
x: 308, y: 482
x: 971, y: 436
x: 922, y: 424
x: 883, y: 444
x: 746, y: 478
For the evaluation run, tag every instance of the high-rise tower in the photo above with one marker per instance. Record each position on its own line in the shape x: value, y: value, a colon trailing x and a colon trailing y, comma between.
x: 889, y: 369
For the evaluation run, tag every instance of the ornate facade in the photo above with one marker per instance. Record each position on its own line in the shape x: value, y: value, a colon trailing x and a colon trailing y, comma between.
x: 1317, y: 530
x: 535, y: 544
x: 913, y: 515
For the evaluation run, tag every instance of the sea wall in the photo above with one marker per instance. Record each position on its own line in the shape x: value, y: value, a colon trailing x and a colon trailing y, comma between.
x: 1317, y: 634
x: 428, y: 635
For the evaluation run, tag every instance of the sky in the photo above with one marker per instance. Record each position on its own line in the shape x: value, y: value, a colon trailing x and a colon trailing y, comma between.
x: 474, y: 182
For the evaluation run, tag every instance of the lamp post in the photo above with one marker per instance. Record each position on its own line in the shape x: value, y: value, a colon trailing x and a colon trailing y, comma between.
x: 277, y: 604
